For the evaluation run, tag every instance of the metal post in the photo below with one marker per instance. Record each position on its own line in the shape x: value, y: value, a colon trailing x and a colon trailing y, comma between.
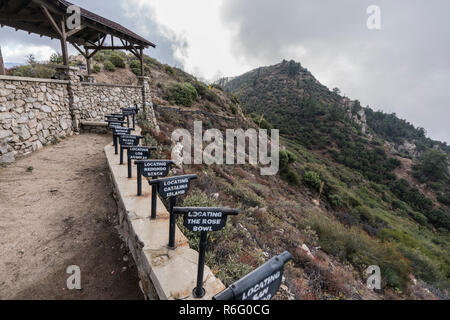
x: 134, y: 121
x: 121, y: 154
x: 154, y: 202
x: 130, y: 174
x: 116, y: 144
x: 199, y: 292
x: 173, y: 221
x: 128, y: 121
x: 139, y: 174
x: 88, y: 62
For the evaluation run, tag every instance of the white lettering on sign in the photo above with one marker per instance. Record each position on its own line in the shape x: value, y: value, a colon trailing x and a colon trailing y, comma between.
x: 175, y: 181
x: 155, y: 164
x: 260, y: 290
x: 202, y: 214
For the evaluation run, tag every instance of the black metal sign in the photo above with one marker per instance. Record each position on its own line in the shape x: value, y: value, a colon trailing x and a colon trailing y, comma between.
x: 154, y: 168
x: 261, y: 284
x: 130, y: 112
x: 115, y: 117
x: 204, y: 220
x: 112, y: 124
x: 128, y: 141
x: 171, y: 188
x: 139, y: 153
x: 174, y: 186
x: 136, y: 153
x: 119, y: 131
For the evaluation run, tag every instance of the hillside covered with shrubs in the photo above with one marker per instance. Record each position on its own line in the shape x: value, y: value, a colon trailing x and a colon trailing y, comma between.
x: 337, y: 211
x: 352, y: 158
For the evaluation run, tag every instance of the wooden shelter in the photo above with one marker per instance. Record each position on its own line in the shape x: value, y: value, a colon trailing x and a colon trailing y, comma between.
x: 50, y: 18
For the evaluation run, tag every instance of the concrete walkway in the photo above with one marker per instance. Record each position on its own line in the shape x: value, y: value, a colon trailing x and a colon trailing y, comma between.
x: 57, y: 209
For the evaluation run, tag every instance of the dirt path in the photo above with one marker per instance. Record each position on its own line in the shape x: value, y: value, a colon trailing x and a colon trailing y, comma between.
x: 57, y: 210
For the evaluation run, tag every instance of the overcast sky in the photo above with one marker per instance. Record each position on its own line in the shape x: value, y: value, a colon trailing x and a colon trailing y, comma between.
x: 402, y: 68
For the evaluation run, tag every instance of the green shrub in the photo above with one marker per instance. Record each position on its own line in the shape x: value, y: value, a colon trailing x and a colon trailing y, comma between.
x: 444, y: 198
x: 96, y: 68
x: 182, y: 94
x: 433, y: 166
x: 355, y: 246
x: 312, y: 180
x: 56, y: 58
x: 43, y: 71
x: 135, y: 64
x: 287, y: 173
x: 117, y: 60
x: 440, y: 219
x: 335, y: 201
x: 424, y: 267
x: 136, y: 71
x: 169, y: 70
x: 109, y: 66
x: 290, y: 175
x: 418, y: 217
x: 23, y: 71
x: 34, y: 71
x: 244, y: 195
x: 99, y: 57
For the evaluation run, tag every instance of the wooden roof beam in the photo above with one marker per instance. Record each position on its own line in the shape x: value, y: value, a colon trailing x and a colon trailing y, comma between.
x: 51, y: 20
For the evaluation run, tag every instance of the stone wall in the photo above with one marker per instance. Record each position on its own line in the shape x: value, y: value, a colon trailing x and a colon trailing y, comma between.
x: 33, y: 113
x: 98, y: 100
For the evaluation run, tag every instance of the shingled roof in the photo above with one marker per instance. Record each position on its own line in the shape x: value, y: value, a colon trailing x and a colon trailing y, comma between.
x: 27, y: 15
x: 86, y: 14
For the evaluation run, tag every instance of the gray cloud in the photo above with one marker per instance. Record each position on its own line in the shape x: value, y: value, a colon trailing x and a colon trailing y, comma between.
x: 131, y: 15
x: 403, y: 68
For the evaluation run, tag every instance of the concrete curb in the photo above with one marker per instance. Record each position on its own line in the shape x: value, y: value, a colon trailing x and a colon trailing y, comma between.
x: 172, y: 273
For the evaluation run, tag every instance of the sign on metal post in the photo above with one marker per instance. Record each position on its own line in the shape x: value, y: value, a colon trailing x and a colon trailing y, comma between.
x: 115, y: 123
x: 119, y: 131
x: 127, y: 112
x: 152, y: 169
x: 128, y: 140
x: 136, y: 108
x: 171, y: 188
x: 136, y: 153
x: 204, y: 220
x: 114, y: 117
x: 261, y: 284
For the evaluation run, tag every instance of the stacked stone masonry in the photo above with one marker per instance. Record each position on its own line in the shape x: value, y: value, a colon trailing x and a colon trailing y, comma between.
x: 33, y: 113
x: 96, y: 100
x: 36, y: 112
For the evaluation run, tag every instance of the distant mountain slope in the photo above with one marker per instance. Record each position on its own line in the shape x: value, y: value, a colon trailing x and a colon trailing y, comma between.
x: 405, y: 174
x: 280, y: 91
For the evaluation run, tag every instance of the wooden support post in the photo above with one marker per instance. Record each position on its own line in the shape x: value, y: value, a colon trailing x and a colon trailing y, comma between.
x: 65, y: 52
x: 88, y: 62
x: 2, y: 65
x: 141, y: 53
